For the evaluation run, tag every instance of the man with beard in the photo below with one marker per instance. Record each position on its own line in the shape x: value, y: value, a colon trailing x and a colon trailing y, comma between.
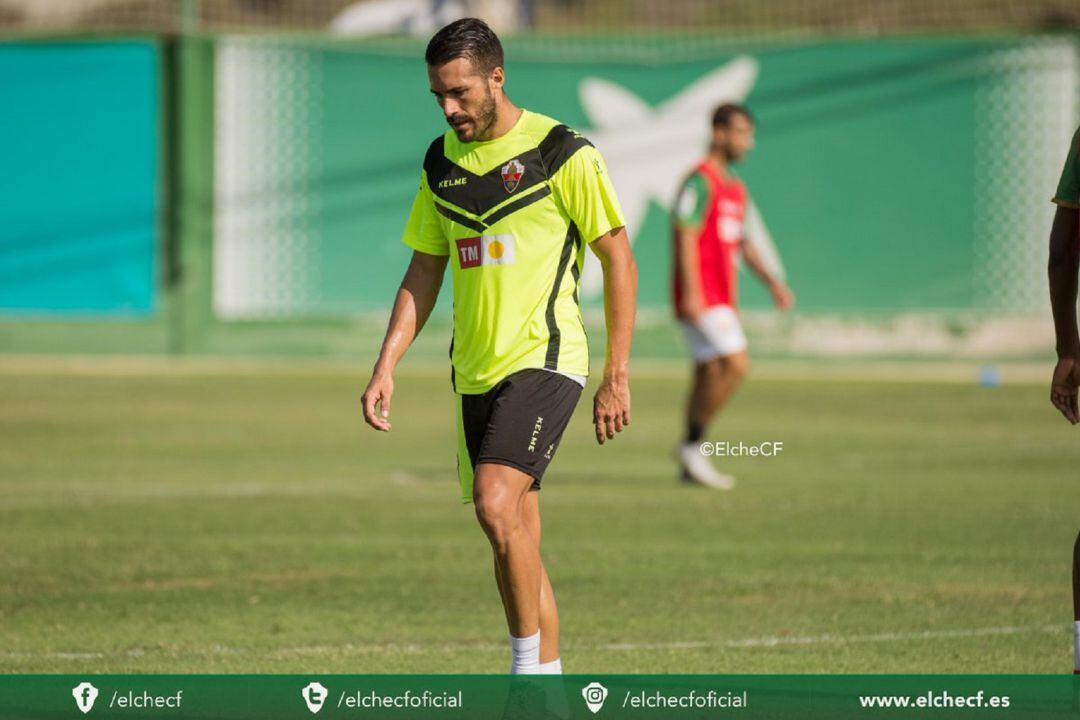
x: 509, y: 199
x: 708, y: 235
x: 1063, y: 267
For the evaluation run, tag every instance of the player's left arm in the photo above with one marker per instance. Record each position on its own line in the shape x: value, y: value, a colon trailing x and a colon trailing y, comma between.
x: 584, y: 187
x: 611, y: 405
x: 781, y: 293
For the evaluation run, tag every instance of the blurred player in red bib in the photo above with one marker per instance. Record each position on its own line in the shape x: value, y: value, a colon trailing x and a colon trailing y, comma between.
x: 708, y: 236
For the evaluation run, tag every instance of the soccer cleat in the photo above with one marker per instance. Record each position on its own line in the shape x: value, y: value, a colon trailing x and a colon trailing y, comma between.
x: 696, y: 468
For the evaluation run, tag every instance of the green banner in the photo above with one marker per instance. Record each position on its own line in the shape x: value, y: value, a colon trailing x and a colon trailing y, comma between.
x: 901, y: 184
x: 893, y: 175
x: 472, y: 697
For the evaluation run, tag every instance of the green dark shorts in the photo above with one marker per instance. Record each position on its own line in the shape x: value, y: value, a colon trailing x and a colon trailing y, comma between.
x: 518, y: 423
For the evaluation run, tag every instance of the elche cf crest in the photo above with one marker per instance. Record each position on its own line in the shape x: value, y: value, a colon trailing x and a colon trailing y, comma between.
x: 511, y: 174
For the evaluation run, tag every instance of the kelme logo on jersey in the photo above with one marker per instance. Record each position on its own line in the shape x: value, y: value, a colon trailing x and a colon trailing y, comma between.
x: 511, y: 174
x: 485, y: 250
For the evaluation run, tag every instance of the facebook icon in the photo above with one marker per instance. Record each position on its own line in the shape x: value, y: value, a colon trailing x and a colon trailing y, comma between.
x: 85, y: 694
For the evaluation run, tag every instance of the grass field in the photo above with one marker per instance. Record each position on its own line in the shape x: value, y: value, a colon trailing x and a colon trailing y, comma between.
x: 250, y: 522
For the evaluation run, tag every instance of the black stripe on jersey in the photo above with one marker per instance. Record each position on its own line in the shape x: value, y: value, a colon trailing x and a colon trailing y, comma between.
x: 453, y: 375
x: 551, y: 361
x: 518, y: 204
x: 481, y: 226
x: 575, y: 273
x: 477, y: 193
x: 559, y: 146
x: 461, y: 219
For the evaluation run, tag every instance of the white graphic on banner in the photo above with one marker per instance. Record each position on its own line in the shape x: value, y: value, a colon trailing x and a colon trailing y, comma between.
x: 649, y: 150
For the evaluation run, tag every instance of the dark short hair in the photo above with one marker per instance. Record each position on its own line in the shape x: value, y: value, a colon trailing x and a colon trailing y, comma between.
x: 721, y: 117
x: 466, y: 38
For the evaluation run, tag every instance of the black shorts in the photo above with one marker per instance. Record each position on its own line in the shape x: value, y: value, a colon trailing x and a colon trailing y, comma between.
x: 518, y: 423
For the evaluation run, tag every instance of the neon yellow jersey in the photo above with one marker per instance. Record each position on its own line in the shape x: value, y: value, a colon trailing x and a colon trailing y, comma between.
x: 514, y: 215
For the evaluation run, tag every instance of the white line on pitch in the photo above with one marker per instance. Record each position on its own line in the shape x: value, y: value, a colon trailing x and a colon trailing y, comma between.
x: 762, y: 642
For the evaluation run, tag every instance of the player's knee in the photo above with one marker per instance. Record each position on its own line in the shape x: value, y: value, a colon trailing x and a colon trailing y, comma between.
x: 710, y: 371
x: 498, y: 521
x: 737, y: 365
x: 496, y: 511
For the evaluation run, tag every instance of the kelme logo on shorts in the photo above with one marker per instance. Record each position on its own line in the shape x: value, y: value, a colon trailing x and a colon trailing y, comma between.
x: 485, y: 250
x: 511, y: 174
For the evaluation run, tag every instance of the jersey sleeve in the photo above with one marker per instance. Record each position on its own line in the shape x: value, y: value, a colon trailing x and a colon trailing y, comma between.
x: 690, y: 204
x: 588, y: 195
x: 423, y: 231
x: 1068, y: 189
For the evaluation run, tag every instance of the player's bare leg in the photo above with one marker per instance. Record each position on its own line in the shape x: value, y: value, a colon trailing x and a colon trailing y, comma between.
x: 714, y: 384
x: 549, y: 611
x: 715, y: 381
x: 499, y: 494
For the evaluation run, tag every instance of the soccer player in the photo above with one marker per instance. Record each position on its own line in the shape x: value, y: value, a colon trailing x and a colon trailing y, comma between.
x: 509, y: 199
x: 1063, y: 267
x: 708, y: 234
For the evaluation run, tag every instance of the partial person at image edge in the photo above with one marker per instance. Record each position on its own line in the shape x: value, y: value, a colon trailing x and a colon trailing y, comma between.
x: 1063, y: 269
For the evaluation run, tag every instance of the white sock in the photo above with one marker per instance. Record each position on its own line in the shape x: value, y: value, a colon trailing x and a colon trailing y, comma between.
x: 1076, y: 644
x: 555, y: 667
x: 526, y: 654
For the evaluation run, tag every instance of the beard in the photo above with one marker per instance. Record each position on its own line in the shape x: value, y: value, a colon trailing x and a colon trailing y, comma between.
x: 481, y: 122
x: 485, y: 116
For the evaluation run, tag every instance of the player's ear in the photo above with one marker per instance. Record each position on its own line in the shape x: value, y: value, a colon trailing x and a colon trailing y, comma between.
x: 497, y: 78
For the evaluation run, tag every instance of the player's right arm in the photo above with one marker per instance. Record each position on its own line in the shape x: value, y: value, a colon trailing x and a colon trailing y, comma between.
x: 1062, y: 268
x: 413, y: 305
x: 688, y: 217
